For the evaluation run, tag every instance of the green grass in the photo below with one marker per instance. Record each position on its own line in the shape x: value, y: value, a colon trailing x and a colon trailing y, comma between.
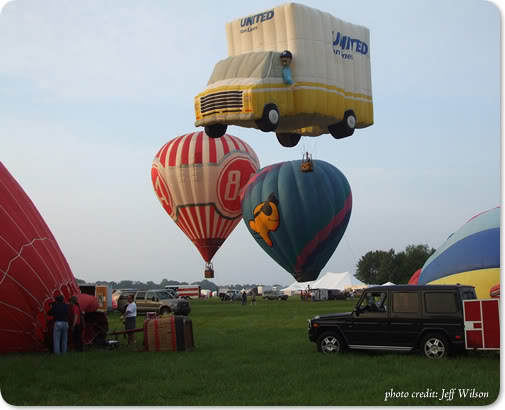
x: 245, y: 355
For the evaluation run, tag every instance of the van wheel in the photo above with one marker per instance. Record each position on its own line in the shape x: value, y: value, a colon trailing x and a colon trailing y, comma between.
x: 164, y: 311
x: 269, y: 119
x: 344, y: 128
x: 288, y: 139
x: 215, y: 130
x: 434, y: 346
x: 330, y: 343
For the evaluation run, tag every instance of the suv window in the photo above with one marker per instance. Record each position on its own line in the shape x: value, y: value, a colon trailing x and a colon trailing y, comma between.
x: 405, y: 302
x: 141, y: 295
x: 374, y: 302
x: 151, y: 296
x: 440, y: 302
x: 164, y: 295
x: 468, y: 294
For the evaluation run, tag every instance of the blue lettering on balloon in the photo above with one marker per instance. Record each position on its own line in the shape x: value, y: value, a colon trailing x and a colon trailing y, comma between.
x: 341, y: 42
x: 258, y: 18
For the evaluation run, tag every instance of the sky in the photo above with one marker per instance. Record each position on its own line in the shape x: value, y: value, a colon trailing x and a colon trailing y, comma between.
x: 91, y: 90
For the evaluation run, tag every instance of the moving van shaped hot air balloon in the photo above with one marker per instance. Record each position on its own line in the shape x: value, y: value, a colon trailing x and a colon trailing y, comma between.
x: 330, y: 67
x: 297, y: 217
x: 470, y: 256
x: 198, y: 180
x: 33, y: 271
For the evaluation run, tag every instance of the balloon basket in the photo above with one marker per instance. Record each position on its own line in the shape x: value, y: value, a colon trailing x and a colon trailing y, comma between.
x: 306, y: 165
x: 209, y: 273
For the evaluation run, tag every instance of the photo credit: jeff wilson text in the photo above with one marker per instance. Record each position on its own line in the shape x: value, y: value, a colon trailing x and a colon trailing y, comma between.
x: 443, y: 395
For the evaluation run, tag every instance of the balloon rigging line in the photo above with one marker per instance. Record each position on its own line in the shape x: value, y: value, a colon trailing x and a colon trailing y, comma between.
x: 350, y: 249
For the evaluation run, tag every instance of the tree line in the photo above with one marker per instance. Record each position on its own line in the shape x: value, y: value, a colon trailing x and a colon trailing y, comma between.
x: 378, y: 267
x: 138, y: 285
x: 375, y: 267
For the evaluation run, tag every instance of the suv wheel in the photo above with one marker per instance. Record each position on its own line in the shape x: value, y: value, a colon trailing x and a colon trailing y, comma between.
x: 434, y: 346
x: 329, y: 343
x: 216, y: 130
x: 269, y: 119
x: 164, y: 311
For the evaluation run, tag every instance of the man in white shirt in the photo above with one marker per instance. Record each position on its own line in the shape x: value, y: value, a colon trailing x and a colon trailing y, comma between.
x: 130, y: 317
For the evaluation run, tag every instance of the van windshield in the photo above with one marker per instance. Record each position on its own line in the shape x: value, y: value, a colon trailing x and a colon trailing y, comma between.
x: 261, y: 64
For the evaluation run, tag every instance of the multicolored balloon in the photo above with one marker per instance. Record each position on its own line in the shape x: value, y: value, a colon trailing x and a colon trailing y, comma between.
x: 297, y: 217
x: 470, y: 256
x: 198, y: 180
x: 33, y: 271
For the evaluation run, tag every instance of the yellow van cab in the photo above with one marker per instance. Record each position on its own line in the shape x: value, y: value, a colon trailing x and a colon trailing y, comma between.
x: 329, y: 62
x: 248, y: 90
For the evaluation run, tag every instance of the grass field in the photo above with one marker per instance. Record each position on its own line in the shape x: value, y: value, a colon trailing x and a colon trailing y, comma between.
x: 246, y: 355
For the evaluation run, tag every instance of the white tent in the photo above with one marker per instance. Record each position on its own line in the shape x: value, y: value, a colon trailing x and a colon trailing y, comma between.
x: 338, y: 281
x: 296, y: 287
x: 387, y: 284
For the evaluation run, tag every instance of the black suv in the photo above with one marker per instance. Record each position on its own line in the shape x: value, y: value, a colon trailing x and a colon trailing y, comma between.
x: 398, y: 318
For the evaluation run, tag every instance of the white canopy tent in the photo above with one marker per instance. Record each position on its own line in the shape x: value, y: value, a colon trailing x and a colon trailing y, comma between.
x: 387, y: 284
x: 340, y: 281
x: 296, y: 287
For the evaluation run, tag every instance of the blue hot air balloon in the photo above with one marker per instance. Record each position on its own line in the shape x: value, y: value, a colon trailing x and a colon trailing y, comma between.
x: 470, y: 256
x: 298, y: 217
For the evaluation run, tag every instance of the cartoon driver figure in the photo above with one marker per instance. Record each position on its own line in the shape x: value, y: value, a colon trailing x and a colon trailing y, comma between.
x: 266, y: 218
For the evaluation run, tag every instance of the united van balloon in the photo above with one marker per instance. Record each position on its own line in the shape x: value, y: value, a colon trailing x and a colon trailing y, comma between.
x: 470, y: 256
x: 297, y: 217
x: 198, y: 180
x: 33, y: 271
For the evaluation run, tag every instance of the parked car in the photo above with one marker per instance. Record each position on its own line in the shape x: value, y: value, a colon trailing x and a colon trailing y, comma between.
x: 231, y: 294
x: 274, y: 295
x: 427, y: 318
x: 157, y: 300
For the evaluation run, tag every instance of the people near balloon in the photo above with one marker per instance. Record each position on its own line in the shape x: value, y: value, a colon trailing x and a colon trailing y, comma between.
x: 76, y: 324
x: 328, y: 59
x: 60, y: 312
x: 197, y: 180
x: 130, y: 318
x: 244, y: 298
x: 298, y: 218
x: 469, y: 256
x: 34, y: 271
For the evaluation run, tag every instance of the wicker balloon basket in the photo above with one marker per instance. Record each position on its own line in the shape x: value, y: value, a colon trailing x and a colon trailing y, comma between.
x: 168, y: 334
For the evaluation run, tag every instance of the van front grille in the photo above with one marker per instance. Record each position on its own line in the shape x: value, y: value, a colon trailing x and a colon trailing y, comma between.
x: 224, y: 101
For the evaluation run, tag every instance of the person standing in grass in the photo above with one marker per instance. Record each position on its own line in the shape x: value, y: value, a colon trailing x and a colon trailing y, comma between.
x: 76, y: 326
x: 244, y: 298
x: 59, y: 311
x: 253, y: 299
x: 130, y: 317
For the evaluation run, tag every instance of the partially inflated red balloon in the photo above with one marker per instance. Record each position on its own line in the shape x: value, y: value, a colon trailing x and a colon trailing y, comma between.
x: 33, y: 270
x: 198, y: 180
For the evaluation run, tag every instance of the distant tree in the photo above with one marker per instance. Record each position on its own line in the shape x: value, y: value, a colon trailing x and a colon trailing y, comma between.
x: 206, y: 284
x: 80, y: 281
x: 377, y: 267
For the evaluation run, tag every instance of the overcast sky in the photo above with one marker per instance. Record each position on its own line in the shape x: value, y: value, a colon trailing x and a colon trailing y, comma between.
x: 90, y: 90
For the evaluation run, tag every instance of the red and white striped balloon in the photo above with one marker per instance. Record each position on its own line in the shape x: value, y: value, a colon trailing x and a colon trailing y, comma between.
x: 198, y: 180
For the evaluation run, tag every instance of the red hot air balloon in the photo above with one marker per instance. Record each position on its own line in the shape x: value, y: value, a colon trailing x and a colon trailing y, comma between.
x: 33, y: 271
x: 198, y: 180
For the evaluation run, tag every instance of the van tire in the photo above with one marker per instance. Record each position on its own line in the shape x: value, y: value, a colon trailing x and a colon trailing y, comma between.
x: 434, y: 346
x: 270, y: 118
x: 344, y: 128
x: 288, y: 139
x: 215, y: 130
